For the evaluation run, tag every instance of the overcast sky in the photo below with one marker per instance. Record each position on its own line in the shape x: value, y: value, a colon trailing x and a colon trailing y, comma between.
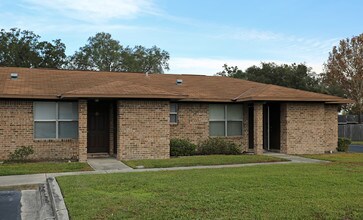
x: 200, y: 35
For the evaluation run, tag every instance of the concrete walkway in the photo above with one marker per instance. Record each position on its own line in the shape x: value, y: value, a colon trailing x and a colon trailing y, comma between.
x: 295, y: 159
x: 107, y: 164
x: 122, y: 168
x: 18, y: 180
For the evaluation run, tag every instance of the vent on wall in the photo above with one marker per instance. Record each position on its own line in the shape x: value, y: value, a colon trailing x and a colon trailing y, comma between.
x: 179, y: 81
x: 14, y: 75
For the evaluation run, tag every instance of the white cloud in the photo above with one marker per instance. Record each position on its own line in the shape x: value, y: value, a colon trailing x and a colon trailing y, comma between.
x: 251, y: 34
x: 210, y: 66
x: 96, y: 10
x: 282, y: 46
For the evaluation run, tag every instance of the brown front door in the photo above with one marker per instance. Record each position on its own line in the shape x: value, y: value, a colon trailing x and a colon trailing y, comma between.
x: 98, y: 127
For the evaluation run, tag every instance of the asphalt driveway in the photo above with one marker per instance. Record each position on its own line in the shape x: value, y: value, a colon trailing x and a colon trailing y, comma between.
x: 10, y: 205
x: 356, y: 148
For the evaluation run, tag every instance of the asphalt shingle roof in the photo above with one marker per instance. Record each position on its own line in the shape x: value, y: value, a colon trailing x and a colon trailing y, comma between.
x: 55, y: 84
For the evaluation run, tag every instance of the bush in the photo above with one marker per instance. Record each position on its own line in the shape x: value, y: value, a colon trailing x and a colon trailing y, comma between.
x: 218, y: 146
x: 20, y: 154
x: 181, y: 147
x: 343, y: 144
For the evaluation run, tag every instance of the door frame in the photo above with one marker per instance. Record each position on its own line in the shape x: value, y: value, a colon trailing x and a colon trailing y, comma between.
x: 266, y: 127
x: 251, y: 130
x: 272, y: 126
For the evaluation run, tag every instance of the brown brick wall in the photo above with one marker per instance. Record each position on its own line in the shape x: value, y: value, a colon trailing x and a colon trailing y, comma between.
x: 193, y: 124
x: 308, y: 128
x: 16, y: 129
x: 143, y: 129
x: 331, y: 127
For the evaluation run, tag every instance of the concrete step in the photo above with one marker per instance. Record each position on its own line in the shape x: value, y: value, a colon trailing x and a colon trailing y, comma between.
x: 98, y: 155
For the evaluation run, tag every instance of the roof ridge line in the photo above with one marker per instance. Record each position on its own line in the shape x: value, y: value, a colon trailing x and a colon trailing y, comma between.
x: 87, y: 87
x: 263, y: 89
x: 237, y: 97
x: 121, y: 81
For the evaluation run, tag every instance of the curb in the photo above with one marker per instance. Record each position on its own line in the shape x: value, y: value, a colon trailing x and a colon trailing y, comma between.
x: 56, y: 200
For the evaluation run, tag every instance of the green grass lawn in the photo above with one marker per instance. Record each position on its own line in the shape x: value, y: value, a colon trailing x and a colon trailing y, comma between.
x: 357, y: 142
x: 41, y: 167
x: 281, y: 191
x: 202, y: 160
x: 339, y: 157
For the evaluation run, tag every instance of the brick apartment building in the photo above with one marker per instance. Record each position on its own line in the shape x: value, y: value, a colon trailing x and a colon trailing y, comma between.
x: 66, y: 114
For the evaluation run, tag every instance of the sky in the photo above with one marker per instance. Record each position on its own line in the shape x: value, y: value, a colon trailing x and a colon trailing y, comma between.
x: 200, y: 35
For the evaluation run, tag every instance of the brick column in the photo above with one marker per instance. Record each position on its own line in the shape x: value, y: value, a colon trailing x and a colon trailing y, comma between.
x: 258, y: 128
x: 245, y: 128
x: 119, y: 140
x: 82, y: 130
x: 111, y: 129
x: 283, y: 128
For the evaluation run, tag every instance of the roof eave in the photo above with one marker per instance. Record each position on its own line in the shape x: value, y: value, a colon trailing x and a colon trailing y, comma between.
x: 22, y: 96
x: 295, y: 99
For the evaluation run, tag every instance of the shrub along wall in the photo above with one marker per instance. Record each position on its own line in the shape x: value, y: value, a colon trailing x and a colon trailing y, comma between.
x: 181, y: 147
x: 210, y: 146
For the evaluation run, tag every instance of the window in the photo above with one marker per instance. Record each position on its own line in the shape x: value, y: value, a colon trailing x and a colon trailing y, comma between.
x: 55, y: 120
x: 173, y: 113
x: 225, y: 120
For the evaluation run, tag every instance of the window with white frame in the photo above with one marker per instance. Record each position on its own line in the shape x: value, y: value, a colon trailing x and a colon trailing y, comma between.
x: 56, y: 120
x: 225, y: 119
x: 173, y: 113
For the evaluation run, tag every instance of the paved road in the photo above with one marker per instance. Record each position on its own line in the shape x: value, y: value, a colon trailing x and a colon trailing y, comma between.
x: 356, y: 148
x: 10, y: 205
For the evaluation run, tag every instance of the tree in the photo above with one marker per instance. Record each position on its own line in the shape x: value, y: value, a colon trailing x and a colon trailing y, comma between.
x: 344, y: 70
x: 52, y: 55
x: 146, y: 60
x: 23, y: 49
x: 102, y: 53
x: 232, y: 71
x: 297, y: 76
